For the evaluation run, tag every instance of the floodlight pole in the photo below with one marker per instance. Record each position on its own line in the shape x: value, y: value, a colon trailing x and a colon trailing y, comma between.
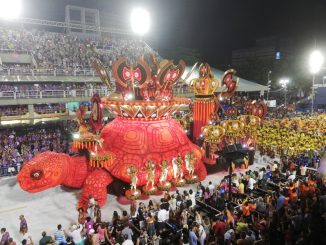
x: 268, y: 83
x: 285, y: 93
x: 312, y: 93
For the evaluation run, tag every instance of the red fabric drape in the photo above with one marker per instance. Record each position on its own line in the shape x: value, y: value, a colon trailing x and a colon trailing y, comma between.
x: 202, y: 112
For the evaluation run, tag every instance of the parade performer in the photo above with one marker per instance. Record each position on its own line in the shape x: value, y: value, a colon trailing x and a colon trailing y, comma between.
x: 164, y: 171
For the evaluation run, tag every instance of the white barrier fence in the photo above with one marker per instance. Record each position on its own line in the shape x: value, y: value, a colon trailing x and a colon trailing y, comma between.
x: 39, y: 94
x: 47, y: 72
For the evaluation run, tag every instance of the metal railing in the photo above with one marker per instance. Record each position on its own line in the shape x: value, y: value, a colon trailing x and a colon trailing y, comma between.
x: 41, y: 94
x: 14, y: 51
x: 26, y: 71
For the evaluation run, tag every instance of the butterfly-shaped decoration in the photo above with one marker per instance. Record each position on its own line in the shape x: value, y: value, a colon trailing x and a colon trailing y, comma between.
x: 170, y: 74
x: 205, y: 70
x: 230, y: 82
x: 101, y: 71
x: 249, y: 106
x: 131, y: 76
x: 260, y: 110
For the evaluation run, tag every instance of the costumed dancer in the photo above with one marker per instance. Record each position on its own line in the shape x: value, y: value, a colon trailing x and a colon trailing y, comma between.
x: 149, y: 188
x: 163, y: 184
x: 133, y: 193
x: 177, y: 171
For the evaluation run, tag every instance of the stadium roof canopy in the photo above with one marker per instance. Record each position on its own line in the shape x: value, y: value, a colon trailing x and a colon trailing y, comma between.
x: 244, y: 85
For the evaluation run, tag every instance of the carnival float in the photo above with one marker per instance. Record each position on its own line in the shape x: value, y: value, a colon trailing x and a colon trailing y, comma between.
x: 143, y: 146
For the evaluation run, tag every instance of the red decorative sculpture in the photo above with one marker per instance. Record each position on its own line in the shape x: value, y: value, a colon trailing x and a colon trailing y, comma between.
x: 50, y: 169
x: 143, y: 131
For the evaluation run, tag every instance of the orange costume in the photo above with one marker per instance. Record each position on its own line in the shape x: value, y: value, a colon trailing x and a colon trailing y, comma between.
x: 245, y: 210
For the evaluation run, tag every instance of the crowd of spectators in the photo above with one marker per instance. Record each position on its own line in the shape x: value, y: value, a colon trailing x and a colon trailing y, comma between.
x: 21, y: 110
x: 18, y: 145
x: 278, y: 204
x: 66, y: 52
x: 13, y: 110
x: 50, y: 108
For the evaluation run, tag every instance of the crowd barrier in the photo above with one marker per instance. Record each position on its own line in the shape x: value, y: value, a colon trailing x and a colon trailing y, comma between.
x: 10, y: 170
x: 47, y: 72
x: 43, y: 94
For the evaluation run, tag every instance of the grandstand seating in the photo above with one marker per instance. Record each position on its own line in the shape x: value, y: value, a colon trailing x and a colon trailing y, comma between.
x: 37, y: 67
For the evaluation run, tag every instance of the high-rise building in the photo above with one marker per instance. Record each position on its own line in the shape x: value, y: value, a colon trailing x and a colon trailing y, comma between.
x: 266, y: 49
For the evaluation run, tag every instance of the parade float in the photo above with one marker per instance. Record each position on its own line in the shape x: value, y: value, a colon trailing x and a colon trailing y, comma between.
x: 143, y: 146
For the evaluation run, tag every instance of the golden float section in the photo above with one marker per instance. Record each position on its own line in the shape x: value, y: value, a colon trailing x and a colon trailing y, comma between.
x: 246, y: 125
x: 142, y: 109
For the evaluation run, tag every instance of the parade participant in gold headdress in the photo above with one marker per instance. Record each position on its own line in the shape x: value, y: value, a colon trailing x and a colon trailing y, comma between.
x: 190, y: 161
x: 177, y: 171
x: 132, y: 171
x: 163, y: 184
x: 149, y: 188
x: 150, y: 167
x: 164, y: 171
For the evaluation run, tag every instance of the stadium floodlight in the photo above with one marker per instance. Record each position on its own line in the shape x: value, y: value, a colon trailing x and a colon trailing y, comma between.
x: 316, y: 61
x: 10, y: 9
x: 140, y: 21
x: 284, y: 82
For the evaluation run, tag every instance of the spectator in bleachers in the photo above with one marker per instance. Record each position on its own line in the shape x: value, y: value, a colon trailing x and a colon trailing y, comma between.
x: 19, y: 145
x: 13, y: 110
x: 66, y: 53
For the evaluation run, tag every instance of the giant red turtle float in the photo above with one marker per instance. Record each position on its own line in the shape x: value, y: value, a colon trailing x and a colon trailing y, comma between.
x: 142, y: 131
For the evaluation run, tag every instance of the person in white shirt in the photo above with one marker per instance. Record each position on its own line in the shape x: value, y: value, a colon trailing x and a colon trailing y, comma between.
x: 127, y: 241
x: 173, y: 203
x: 292, y: 176
x: 273, y: 166
x: 192, y: 196
x: 199, y: 190
x: 235, y: 180
x: 27, y: 238
x: 303, y: 170
x: 211, y: 188
x: 74, y: 233
x: 228, y: 235
x: 261, y: 174
x: 202, y: 234
x: 251, y: 183
x: 162, y: 215
x: 198, y: 218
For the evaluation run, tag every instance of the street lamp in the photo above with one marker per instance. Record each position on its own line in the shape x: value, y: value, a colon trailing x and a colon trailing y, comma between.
x: 316, y: 61
x: 284, y: 82
x: 269, y: 83
x: 10, y: 9
x: 140, y: 21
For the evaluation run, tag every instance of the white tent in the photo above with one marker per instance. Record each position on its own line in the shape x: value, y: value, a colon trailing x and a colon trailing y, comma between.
x: 244, y: 85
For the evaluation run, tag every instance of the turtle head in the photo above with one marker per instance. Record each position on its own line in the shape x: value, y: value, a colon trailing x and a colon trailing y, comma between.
x: 44, y: 171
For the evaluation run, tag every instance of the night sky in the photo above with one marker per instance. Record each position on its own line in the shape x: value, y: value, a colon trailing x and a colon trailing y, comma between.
x: 213, y: 27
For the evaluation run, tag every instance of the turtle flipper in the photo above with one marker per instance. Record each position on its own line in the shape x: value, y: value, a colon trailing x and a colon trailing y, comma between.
x: 96, y: 185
